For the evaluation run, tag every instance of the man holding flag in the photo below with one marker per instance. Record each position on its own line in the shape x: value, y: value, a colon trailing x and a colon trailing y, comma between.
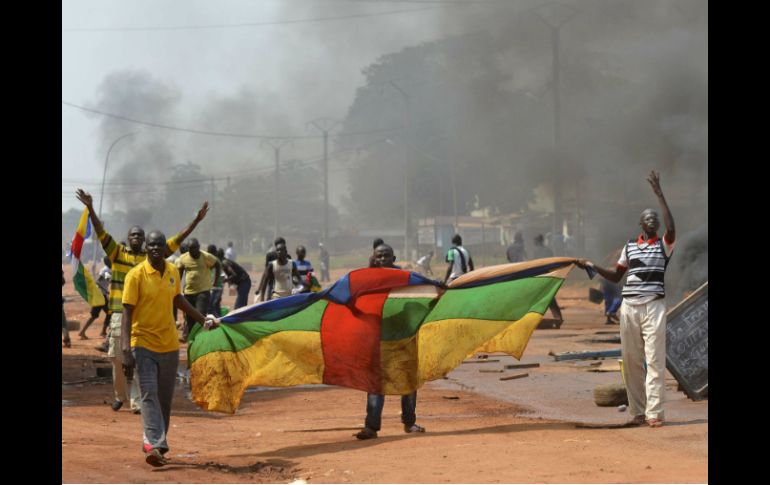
x: 123, y: 259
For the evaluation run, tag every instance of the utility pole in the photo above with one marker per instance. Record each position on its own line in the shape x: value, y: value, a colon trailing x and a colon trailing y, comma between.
x: 276, y: 144
x: 325, y: 125
x: 555, y: 40
x: 406, y: 166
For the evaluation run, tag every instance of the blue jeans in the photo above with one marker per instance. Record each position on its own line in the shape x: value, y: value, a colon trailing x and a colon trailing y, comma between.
x: 375, y: 403
x: 243, y: 293
x: 157, y: 377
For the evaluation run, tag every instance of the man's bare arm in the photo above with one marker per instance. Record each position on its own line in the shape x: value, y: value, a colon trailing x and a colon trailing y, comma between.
x: 613, y: 275
x: 668, y: 219
x: 88, y: 201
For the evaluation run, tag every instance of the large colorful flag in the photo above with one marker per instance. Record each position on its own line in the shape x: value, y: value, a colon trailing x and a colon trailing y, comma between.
x: 379, y: 330
x: 82, y: 279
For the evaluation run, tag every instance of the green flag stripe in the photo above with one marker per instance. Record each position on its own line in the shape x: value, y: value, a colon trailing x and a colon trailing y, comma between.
x: 509, y: 300
x: 239, y: 336
x: 401, y: 317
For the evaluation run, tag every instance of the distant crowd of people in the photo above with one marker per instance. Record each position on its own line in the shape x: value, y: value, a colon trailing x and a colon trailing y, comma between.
x: 145, y: 282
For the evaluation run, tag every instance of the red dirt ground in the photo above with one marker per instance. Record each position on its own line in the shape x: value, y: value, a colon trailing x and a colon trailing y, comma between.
x: 489, y: 432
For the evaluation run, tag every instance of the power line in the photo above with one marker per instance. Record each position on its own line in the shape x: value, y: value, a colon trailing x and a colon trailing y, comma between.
x: 244, y: 25
x: 215, y: 133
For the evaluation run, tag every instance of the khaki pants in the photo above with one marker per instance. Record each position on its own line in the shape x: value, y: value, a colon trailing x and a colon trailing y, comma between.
x: 119, y: 381
x: 643, y: 338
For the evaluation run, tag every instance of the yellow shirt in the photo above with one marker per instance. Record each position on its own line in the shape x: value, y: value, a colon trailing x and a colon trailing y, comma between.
x: 152, y: 321
x: 197, y: 272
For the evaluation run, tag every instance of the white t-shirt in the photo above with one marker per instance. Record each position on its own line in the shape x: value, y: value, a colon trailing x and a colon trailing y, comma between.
x: 454, y: 257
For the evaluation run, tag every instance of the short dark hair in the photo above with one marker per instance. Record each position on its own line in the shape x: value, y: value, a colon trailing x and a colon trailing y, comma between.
x: 279, y: 240
x: 457, y: 239
x: 211, y: 249
x: 377, y: 242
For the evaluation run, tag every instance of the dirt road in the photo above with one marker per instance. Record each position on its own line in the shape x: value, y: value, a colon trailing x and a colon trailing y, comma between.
x: 480, y: 429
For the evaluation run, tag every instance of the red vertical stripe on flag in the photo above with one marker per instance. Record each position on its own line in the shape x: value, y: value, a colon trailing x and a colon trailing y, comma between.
x: 350, y: 338
x: 350, y: 334
x: 77, y: 245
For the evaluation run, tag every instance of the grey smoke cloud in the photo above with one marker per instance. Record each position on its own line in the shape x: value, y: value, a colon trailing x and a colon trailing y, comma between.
x: 634, y: 98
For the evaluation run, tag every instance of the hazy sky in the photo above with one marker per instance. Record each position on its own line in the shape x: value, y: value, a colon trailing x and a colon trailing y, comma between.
x: 310, y: 69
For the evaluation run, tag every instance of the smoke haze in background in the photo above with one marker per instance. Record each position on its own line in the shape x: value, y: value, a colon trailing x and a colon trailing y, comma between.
x: 633, y: 98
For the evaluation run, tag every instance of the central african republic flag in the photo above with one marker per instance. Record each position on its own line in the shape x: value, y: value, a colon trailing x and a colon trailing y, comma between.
x: 379, y: 330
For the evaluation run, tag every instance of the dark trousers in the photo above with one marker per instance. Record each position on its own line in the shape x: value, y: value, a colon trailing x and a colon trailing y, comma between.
x: 243, y: 293
x: 216, y: 302
x: 375, y: 403
x: 201, y: 303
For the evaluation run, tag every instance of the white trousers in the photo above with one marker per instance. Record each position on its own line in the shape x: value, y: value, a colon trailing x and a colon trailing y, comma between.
x: 643, y: 338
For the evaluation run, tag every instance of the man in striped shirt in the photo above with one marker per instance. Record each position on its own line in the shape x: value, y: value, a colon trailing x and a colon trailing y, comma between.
x: 124, y: 258
x: 643, y: 311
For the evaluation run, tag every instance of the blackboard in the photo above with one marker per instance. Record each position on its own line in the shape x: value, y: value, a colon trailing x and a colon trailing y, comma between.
x: 687, y: 343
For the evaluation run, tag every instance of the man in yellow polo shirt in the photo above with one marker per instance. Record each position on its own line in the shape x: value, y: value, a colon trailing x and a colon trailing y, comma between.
x: 197, y: 264
x: 149, y: 340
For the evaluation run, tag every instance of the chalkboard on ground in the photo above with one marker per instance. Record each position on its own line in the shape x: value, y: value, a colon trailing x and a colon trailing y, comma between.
x: 687, y: 343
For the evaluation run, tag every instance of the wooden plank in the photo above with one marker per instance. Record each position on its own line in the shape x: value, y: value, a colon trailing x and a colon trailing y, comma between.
x: 515, y: 376
x: 587, y: 354
x: 483, y: 361
x: 521, y: 366
x: 490, y: 370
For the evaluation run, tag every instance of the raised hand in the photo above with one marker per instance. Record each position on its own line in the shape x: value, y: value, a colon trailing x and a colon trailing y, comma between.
x: 202, y: 212
x: 85, y: 198
x: 654, y: 180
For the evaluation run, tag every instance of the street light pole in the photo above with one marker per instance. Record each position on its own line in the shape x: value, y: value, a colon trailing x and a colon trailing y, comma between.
x: 555, y: 40
x: 325, y: 125
x: 276, y: 145
x: 406, y: 167
x: 101, y: 195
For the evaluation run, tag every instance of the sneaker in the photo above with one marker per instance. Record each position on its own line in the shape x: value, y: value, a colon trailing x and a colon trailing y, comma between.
x: 102, y: 348
x: 366, y: 434
x: 155, y: 458
x: 116, y: 405
x: 137, y: 410
x: 655, y: 423
x: 67, y: 343
x: 415, y: 428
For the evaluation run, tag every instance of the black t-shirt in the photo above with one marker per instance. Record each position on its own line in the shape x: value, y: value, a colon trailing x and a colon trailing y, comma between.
x: 235, y: 272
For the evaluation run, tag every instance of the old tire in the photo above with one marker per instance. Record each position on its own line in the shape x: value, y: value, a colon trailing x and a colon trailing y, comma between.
x: 610, y: 395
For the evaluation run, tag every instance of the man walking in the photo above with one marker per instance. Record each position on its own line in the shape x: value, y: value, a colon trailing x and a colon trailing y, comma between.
x: 230, y: 251
x: 236, y: 275
x: 324, y: 257
x: 124, y: 257
x: 459, y: 259
x: 643, y: 310
x: 148, y: 340
x: 195, y: 265
x: 543, y: 251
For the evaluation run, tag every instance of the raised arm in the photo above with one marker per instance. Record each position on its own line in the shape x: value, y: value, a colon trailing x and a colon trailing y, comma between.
x: 189, y: 229
x: 668, y: 219
x: 88, y: 201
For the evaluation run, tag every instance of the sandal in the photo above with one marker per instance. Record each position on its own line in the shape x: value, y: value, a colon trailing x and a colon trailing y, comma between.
x: 655, y: 422
x: 155, y: 458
